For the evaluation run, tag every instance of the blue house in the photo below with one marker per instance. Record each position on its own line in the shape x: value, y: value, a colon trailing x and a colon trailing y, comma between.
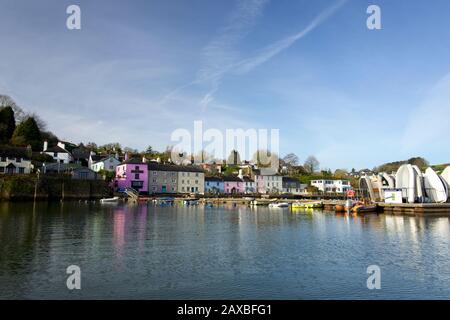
x: 214, y: 185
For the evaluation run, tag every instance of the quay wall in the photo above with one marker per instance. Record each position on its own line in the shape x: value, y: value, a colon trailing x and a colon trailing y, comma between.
x: 29, y: 187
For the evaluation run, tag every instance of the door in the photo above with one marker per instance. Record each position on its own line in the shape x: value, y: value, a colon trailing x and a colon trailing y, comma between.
x: 164, y: 189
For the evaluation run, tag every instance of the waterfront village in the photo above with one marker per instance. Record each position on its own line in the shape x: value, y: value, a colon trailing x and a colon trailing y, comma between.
x: 61, y: 169
x: 27, y: 148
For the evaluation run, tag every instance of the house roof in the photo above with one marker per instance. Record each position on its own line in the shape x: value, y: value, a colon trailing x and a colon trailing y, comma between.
x: 56, y: 149
x: 81, y: 153
x: 14, y: 152
x: 171, y: 167
x: 247, y: 179
x: 232, y: 179
x: 134, y: 161
x: 100, y: 158
x: 61, y: 166
x: 215, y: 179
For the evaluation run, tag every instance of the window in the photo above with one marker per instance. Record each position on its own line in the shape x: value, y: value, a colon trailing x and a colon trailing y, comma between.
x: 55, y: 154
x: 21, y: 170
x: 3, y: 159
x: 18, y: 160
x: 154, y: 188
x: 136, y: 176
x: 2, y: 169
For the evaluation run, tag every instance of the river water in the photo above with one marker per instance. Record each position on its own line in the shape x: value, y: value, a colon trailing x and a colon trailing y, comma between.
x: 226, y: 252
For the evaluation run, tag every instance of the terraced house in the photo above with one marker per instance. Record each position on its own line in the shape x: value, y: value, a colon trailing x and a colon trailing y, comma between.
x: 191, y: 180
x: 162, y: 178
x: 169, y: 178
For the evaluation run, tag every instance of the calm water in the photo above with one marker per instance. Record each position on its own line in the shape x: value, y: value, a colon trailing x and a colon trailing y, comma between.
x: 148, y: 252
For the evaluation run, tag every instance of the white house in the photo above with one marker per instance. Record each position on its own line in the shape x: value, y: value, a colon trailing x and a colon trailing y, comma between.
x: 338, y: 186
x: 267, y: 182
x: 294, y: 186
x: 15, y: 160
x: 107, y: 163
x: 59, y: 153
x: 191, y: 180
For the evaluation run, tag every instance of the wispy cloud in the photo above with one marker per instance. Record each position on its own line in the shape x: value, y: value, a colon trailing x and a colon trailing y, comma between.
x: 272, y: 50
x: 221, y: 56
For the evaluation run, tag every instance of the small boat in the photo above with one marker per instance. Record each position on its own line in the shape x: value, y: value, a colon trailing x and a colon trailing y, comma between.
x: 279, y: 205
x: 109, y: 200
x: 191, y: 202
x: 362, y: 208
x: 307, y: 205
x: 339, y: 208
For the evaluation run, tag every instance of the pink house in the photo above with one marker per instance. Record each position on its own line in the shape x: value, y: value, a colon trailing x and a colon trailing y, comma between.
x: 233, y: 185
x: 132, y: 173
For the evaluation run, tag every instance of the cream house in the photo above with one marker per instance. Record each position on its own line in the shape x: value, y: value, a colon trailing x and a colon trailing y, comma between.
x: 15, y: 160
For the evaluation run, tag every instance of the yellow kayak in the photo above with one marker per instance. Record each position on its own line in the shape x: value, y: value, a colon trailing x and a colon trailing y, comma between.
x: 307, y: 205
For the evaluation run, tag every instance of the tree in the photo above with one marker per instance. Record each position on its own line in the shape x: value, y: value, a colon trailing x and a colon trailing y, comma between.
x: 291, y: 159
x: 265, y: 159
x: 27, y: 132
x: 7, y: 124
x: 311, y: 164
x: 340, y: 173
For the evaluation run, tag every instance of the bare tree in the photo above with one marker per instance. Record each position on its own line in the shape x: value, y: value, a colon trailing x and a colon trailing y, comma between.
x: 311, y: 164
x: 291, y: 159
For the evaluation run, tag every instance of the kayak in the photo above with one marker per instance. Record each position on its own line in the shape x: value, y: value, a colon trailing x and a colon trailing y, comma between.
x: 307, y: 205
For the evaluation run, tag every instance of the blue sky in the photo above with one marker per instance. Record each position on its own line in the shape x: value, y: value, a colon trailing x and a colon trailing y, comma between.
x: 137, y: 70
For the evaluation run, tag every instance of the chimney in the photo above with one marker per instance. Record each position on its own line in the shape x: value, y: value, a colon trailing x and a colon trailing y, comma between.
x: 144, y: 159
x: 45, y: 145
x: 240, y: 176
x: 62, y: 145
x: 126, y: 156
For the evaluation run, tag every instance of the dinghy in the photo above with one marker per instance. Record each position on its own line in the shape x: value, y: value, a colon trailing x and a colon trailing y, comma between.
x: 445, y: 175
x: 279, y: 205
x: 435, y: 188
x: 109, y: 200
x: 389, y: 180
x: 405, y: 179
x: 307, y: 205
x: 366, y: 185
x: 420, y: 193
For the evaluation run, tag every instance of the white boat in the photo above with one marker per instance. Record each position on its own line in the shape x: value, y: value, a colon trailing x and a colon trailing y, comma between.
x: 279, y: 205
x: 420, y: 192
x: 109, y: 200
x: 365, y: 183
x: 435, y: 188
x: 405, y: 179
x: 390, y: 181
x: 446, y: 175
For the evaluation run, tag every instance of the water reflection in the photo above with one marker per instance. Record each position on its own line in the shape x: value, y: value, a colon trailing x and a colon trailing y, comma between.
x: 148, y: 251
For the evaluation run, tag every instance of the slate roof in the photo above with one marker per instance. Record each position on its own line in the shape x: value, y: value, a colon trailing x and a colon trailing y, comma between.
x: 14, y: 152
x: 57, y: 149
x: 171, y: 167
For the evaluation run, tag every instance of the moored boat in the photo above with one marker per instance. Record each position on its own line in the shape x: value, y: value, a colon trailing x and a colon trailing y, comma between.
x: 109, y: 200
x: 307, y: 205
x: 364, y: 208
x: 279, y: 205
